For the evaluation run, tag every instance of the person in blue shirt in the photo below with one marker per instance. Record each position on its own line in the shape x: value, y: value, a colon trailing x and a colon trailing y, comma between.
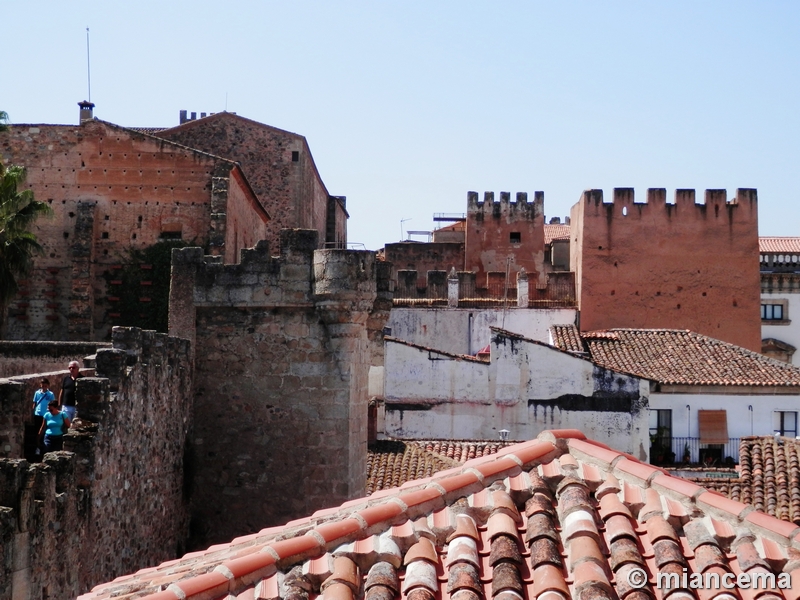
x: 54, y: 426
x: 41, y: 399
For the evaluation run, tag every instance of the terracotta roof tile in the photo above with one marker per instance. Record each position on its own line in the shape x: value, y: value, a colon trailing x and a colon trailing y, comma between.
x: 679, y: 357
x: 779, y: 244
x: 567, y: 338
x: 555, y: 232
x: 488, y: 543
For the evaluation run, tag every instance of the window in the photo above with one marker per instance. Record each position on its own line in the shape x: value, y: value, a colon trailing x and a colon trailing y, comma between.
x: 295, y: 156
x: 661, y: 422
x: 515, y: 237
x: 171, y: 235
x: 785, y: 422
x: 661, y: 437
x: 774, y: 311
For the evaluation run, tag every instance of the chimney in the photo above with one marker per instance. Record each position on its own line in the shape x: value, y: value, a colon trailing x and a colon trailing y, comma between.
x: 86, y: 111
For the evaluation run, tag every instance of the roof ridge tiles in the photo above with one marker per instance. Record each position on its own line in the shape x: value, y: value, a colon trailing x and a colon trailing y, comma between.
x: 594, y: 524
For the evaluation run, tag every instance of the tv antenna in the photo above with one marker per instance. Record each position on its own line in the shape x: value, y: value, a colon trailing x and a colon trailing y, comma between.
x: 401, y: 227
x: 88, y: 66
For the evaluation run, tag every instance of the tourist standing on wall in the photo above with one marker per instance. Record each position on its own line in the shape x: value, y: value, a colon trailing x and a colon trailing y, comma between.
x: 66, y: 397
x: 54, y: 426
x: 41, y: 399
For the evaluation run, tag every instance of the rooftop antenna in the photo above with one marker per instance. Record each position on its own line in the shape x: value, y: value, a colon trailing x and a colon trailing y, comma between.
x: 88, y: 66
x: 401, y: 227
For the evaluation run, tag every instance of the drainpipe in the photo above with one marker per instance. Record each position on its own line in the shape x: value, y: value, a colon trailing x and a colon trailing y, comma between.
x: 750, y: 408
x: 688, y: 421
x: 469, y: 334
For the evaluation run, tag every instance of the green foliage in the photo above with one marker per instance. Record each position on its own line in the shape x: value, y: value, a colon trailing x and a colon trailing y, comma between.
x: 18, y: 211
x: 142, y: 286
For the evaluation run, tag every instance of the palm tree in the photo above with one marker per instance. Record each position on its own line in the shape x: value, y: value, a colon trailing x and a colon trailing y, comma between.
x: 18, y: 211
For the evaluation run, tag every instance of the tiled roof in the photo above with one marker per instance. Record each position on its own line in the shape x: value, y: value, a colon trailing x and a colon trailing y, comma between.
x: 461, y: 452
x: 391, y: 463
x: 770, y: 476
x: 556, y: 518
x: 555, y: 232
x: 567, y: 338
x: 779, y: 244
x: 680, y: 357
x: 149, y: 130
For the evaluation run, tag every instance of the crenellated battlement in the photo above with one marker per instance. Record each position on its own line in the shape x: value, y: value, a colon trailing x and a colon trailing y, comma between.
x: 624, y: 201
x: 688, y: 263
x: 521, y: 208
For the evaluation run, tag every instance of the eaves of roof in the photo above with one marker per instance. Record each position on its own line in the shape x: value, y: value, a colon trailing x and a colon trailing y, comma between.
x: 559, y: 517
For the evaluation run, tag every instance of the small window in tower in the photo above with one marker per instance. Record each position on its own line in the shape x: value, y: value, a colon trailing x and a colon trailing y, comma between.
x: 515, y: 237
x: 295, y: 155
x: 104, y: 235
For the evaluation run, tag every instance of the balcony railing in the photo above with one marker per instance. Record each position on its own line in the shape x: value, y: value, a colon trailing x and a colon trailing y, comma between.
x: 689, y: 450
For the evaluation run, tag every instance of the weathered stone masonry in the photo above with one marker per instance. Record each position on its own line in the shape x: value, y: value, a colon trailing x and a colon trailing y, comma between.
x: 281, y: 359
x: 113, y: 501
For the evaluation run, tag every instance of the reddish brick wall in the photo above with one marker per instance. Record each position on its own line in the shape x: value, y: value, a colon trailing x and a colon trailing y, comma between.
x: 291, y: 190
x: 424, y: 257
x: 490, y: 226
x: 110, y: 189
x: 242, y: 230
x: 683, y: 265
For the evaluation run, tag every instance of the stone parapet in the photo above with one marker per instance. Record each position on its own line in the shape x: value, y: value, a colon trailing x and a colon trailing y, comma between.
x: 115, y: 497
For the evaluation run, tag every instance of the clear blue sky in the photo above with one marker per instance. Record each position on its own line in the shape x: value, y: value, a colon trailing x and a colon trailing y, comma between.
x: 408, y: 105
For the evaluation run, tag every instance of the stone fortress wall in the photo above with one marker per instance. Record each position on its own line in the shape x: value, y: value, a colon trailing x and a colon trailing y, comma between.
x: 114, y: 500
x: 282, y: 353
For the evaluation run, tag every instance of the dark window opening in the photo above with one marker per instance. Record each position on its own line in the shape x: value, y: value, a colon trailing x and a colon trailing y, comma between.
x: 171, y: 235
x: 661, y: 437
x: 785, y: 423
x: 295, y: 156
x: 104, y: 235
x: 515, y: 237
x: 772, y: 312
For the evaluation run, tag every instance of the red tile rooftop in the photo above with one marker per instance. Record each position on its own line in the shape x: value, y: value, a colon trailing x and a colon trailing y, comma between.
x: 779, y: 244
x: 554, y: 518
x: 677, y: 357
x: 555, y: 232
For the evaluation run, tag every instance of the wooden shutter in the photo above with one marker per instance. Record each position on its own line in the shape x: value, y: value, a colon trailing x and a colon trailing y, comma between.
x: 713, y: 426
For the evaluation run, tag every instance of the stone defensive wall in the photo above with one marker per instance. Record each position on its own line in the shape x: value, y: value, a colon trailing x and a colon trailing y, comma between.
x: 282, y: 346
x: 114, y: 500
x: 618, y: 251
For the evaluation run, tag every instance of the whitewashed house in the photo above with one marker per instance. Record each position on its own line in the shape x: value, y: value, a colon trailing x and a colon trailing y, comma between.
x: 523, y: 388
